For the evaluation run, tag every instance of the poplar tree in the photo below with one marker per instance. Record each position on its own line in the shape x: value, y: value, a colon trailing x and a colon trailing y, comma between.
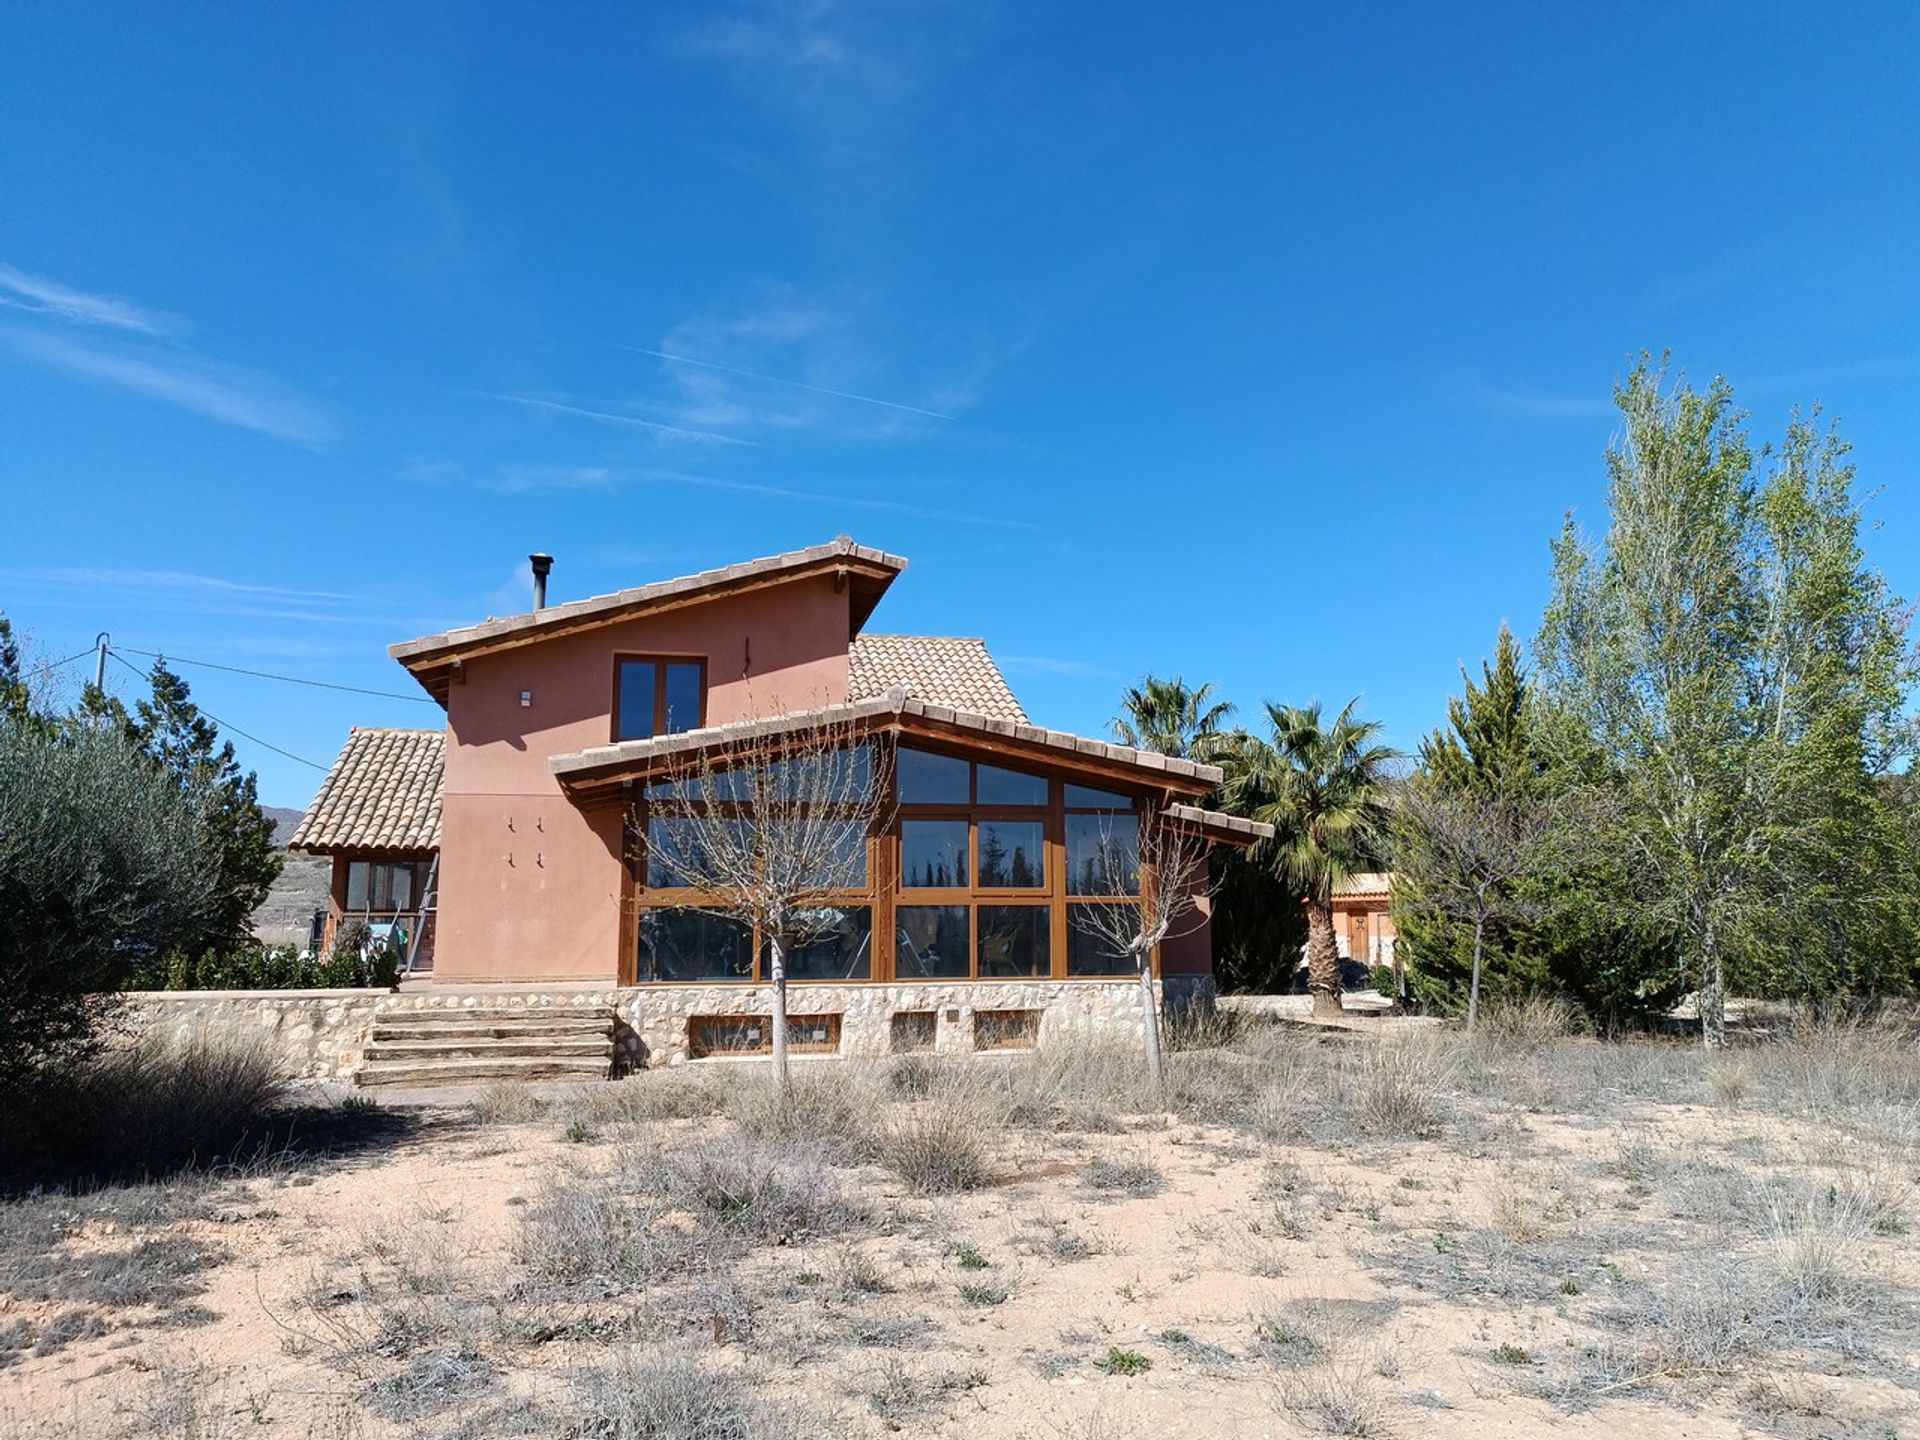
x: 1732, y: 671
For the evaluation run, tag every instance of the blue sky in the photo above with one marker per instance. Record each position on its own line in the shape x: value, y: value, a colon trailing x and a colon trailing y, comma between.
x: 1261, y: 344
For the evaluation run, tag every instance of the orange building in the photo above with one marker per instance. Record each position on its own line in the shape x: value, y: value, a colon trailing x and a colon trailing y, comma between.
x: 509, y: 848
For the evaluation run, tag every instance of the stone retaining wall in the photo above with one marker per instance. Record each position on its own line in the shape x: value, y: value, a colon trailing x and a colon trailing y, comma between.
x: 658, y: 1015
x: 323, y: 1034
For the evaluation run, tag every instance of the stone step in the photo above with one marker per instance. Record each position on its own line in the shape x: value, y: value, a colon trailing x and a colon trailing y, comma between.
x: 410, y: 1029
x: 497, y: 1013
x: 471, y: 1071
x: 482, y: 1047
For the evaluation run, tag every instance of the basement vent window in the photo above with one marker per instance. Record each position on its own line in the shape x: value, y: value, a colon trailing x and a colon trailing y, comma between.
x: 1006, y: 1029
x: 743, y: 1035
x: 913, y: 1031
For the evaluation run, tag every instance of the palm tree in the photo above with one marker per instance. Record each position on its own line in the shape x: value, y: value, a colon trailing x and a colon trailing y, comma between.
x: 1167, y: 716
x: 1323, y: 787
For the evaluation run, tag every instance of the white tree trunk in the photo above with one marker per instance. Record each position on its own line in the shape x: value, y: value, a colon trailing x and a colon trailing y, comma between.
x: 1151, y: 1013
x: 777, y: 958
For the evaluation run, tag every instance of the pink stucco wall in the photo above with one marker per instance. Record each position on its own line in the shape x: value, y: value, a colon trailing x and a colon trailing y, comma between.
x: 529, y: 882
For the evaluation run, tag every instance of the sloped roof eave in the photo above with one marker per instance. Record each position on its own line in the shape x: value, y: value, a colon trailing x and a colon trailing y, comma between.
x: 641, y: 759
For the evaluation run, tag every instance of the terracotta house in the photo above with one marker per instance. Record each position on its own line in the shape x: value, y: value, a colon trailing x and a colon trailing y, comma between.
x: 1363, y: 919
x: 509, y: 848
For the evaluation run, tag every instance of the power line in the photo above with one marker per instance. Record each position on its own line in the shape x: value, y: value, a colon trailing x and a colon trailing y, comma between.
x: 78, y: 654
x: 264, y: 675
x: 300, y: 759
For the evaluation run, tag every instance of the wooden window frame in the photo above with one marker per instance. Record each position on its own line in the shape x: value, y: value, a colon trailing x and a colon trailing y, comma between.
x: 660, y: 663
x: 884, y: 896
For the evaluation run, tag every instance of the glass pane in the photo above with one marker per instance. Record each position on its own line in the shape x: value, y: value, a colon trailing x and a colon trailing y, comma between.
x: 634, y: 720
x: 357, y: 884
x: 933, y: 854
x: 821, y: 853
x: 927, y: 779
x: 837, y: 944
x: 693, y: 945
x: 1013, y: 941
x: 1080, y: 797
x: 1091, y: 948
x: 1103, y: 855
x: 400, y: 895
x: 683, y: 696
x: 931, y: 942
x: 1009, y: 787
x: 676, y: 853
x: 1012, y: 855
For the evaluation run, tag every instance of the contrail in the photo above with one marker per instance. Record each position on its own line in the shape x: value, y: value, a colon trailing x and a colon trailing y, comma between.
x: 795, y: 384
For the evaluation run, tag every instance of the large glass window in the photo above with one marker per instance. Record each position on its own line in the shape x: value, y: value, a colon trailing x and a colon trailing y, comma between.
x: 1103, y: 854
x: 1009, y: 787
x: 838, y: 945
x: 658, y: 697
x: 676, y: 856
x: 933, y: 854
x: 931, y: 942
x: 377, y: 885
x: 929, y: 779
x: 1013, y: 941
x: 685, y: 944
x: 1013, y: 855
x: 1089, y: 950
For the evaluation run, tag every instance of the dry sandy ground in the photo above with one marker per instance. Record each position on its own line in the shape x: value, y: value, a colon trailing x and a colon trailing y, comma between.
x: 1481, y: 1281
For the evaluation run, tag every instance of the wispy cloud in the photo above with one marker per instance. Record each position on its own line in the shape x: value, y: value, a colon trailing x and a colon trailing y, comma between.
x: 1048, y: 665
x: 512, y: 479
x: 626, y: 422
x: 1524, y: 402
x: 38, y: 295
x: 125, y: 346
x: 227, y: 393
x: 841, y: 501
x: 794, y: 384
x: 110, y: 591
x: 780, y: 360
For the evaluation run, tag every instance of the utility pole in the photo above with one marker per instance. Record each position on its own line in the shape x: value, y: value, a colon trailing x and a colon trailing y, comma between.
x: 100, y: 644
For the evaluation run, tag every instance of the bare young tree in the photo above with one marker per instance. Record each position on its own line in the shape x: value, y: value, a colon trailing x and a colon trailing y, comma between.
x: 767, y: 824
x: 1156, y: 876
x: 1461, y: 853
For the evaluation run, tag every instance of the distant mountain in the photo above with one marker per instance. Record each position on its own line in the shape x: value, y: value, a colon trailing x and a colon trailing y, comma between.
x: 285, y: 821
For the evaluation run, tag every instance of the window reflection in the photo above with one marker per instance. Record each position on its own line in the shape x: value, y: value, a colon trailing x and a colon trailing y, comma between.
x: 1009, y: 787
x: 1013, y: 941
x: 1103, y: 854
x: 933, y: 854
x: 1012, y: 855
x: 929, y: 779
x: 931, y: 942
x: 684, y: 944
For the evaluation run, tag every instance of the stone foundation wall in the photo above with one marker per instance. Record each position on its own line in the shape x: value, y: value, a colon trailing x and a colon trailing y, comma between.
x: 323, y: 1034
x: 658, y: 1015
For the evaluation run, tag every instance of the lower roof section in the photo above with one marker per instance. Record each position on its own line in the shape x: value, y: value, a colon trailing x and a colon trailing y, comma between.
x: 608, y: 767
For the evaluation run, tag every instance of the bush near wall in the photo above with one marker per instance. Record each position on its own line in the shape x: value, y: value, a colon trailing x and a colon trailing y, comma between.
x: 352, y: 964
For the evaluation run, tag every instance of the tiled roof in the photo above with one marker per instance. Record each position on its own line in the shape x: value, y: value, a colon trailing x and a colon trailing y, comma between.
x: 1220, y: 825
x: 383, y: 793
x: 1365, y: 885
x: 946, y: 669
x: 430, y: 655
x: 605, y: 762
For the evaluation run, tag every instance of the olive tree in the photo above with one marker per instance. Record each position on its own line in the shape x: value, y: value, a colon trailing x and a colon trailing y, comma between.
x: 102, y: 869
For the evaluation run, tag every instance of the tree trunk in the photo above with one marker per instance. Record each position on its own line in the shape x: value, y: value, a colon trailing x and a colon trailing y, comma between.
x: 1400, y: 999
x: 1712, y: 1000
x: 1151, y: 1013
x: 1323, y: 962
x: 1473, y: 987
x: 777, y: 956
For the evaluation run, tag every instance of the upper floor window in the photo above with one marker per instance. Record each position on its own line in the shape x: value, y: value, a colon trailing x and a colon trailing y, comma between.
x: 658, y: 695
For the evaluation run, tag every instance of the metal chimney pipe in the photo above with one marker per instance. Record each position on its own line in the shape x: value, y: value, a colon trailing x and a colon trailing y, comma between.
x: 542, y: 567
